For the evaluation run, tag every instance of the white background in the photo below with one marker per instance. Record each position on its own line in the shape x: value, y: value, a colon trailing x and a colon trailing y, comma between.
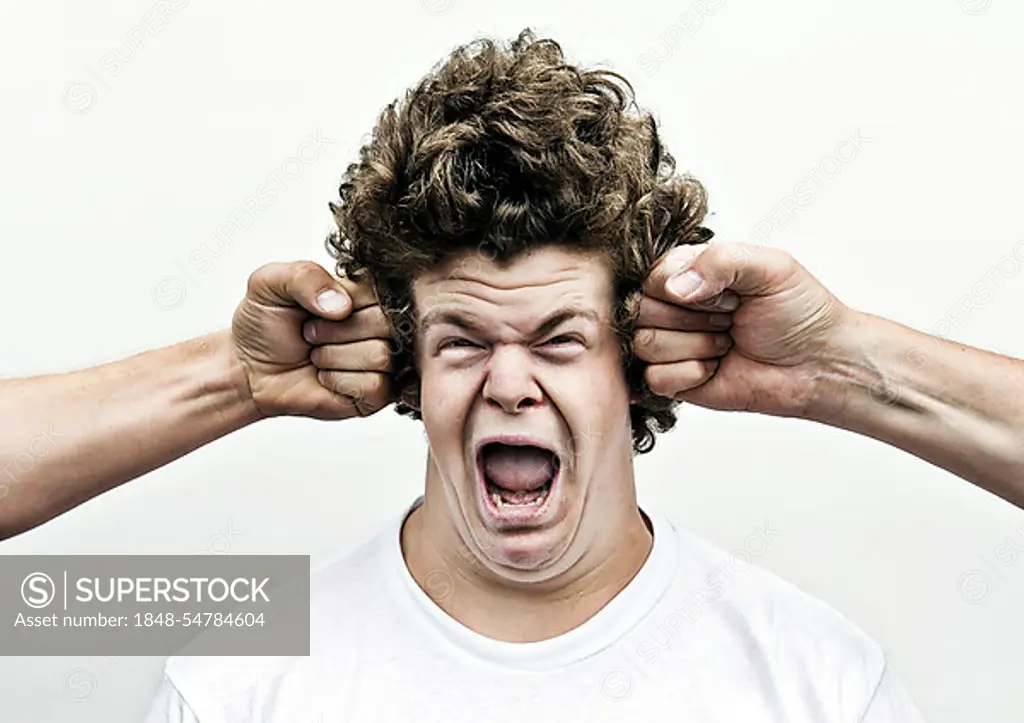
x: 108, y: 192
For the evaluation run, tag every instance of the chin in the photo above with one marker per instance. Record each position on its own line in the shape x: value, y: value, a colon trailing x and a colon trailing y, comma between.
x: 524, y: 553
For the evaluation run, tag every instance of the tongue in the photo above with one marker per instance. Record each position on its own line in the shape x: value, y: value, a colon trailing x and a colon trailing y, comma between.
x: 517, y: 468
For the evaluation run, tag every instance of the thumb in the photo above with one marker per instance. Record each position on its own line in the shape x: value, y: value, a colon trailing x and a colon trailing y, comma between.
x: 300, y: 283
x: 668, y: 267
x: 746, y: 269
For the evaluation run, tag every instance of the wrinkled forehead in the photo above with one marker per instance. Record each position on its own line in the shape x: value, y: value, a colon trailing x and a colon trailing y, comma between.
x: 527, y: 287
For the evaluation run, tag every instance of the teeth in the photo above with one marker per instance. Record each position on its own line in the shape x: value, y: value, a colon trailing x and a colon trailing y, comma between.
x: 499, y: 502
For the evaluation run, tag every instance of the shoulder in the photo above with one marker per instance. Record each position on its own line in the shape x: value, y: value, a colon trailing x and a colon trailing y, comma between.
x: 237, y: 688
x: 779, y: 632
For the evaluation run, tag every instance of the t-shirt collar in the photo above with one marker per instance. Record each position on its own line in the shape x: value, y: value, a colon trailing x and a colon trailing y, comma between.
x: 612, y: 622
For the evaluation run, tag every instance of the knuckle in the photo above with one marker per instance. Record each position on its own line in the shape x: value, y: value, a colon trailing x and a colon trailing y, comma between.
x: 373, y: 385
x: 377, y: 390
x: 781, y: 259
x: 667, y: 382
x: 379, y: 323
x: 356, y: 390
x: 380, y: 352
x: 348, y: 388
x: 658, y: 381
x: 645, y: 338
x: 306, y: 267
x: 304, y: 272
x: 685, y: 252
x: 685, y: 376
x: 260, y: 276
x: 735, y: 249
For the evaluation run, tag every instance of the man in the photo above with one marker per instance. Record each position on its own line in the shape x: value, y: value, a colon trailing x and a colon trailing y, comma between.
x: 508, y: 213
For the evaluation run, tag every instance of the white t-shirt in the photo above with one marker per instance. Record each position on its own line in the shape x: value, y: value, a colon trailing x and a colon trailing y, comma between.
x: 696, y: 636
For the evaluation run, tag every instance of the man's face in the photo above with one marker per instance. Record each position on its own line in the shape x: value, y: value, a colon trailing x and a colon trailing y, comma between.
x: 525, y: 405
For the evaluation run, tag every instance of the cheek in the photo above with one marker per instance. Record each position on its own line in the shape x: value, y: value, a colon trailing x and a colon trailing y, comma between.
x: 597, y: 382
x: 446, y: 396
x: 593, y: 398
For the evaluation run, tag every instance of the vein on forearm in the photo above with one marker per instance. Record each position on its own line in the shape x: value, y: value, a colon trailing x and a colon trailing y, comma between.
x: 955, y: 406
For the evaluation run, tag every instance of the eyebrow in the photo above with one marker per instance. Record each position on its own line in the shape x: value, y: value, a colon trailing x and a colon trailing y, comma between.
x: 447, y: 316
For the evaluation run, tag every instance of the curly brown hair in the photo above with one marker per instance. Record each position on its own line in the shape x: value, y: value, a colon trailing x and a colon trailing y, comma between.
x: 500, y: 149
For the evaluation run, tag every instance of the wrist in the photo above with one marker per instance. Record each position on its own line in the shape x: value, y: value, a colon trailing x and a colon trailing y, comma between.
x: 845, y: 369
x: 228, y: 379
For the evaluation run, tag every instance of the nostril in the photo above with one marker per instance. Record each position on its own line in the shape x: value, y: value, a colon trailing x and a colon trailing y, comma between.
x: 512, y: 392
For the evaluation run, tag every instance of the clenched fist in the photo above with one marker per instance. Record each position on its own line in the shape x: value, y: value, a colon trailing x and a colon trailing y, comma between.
x: 775, y: 352
x: 297, y: 318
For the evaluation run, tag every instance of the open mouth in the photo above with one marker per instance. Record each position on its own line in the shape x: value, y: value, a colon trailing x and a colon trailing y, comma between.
x: 517, y: 476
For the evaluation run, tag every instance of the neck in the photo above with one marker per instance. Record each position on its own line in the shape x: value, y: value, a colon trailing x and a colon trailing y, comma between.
x: 452, y: 575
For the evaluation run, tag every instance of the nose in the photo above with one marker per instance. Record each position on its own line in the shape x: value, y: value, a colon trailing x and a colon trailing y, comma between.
x: 510, y: 382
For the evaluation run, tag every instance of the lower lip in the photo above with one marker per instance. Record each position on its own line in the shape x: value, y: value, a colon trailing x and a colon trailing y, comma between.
x: 515, y: 515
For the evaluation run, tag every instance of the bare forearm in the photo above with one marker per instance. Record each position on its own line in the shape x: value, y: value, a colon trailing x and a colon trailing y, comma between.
x: 955, y: 406
x: 66, y: 438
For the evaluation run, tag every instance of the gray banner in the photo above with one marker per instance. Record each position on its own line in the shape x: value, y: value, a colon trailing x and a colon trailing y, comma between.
x: 154, y: 605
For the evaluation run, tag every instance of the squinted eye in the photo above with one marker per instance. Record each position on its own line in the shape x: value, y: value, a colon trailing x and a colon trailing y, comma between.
x: 457, y: 344
x: 562, y: 340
